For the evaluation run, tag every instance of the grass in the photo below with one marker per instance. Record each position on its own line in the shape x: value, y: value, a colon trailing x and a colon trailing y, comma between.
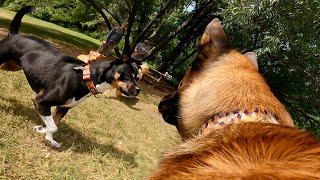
x: 101, y: 138
x: 45, y: 29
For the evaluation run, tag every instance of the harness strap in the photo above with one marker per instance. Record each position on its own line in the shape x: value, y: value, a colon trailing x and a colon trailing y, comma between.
x: 87, y: 78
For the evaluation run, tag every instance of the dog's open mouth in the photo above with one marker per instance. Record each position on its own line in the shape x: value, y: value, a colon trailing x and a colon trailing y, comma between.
x: 132, y: 93
x: 124, y: 94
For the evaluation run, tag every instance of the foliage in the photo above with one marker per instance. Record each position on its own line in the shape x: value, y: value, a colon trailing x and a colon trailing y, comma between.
x: 70, y: 14
x: 285, y: 35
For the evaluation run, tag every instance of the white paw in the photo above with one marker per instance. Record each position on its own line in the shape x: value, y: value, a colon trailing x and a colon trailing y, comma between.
x: 40, y: 129
x: 51, y: 141
x: 54, y: 143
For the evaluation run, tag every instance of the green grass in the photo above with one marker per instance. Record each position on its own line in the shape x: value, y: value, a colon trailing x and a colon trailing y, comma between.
x: 101, y: 138
x: 45, y: 29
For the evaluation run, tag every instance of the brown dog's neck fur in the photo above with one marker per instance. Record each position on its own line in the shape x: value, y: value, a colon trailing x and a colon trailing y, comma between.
x: 229, y: 82
x: 245, y: 151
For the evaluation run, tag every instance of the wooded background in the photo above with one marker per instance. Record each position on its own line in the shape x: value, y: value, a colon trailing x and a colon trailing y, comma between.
x: 284, y: 34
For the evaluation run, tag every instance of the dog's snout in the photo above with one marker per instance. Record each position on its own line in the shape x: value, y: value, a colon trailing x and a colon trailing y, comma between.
x: 138, y: 89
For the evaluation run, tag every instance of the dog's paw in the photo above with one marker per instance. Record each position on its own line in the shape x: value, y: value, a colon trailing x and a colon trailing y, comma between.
x: 54, y: 144
x: 40, y: 129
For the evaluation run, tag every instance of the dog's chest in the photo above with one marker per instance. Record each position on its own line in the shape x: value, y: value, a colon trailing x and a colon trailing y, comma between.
x: 73, y: 102
x: 103, y: 87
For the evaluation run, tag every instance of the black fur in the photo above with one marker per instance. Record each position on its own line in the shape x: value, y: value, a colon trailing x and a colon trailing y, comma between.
x: 169, y: 108
x: 15, y: 24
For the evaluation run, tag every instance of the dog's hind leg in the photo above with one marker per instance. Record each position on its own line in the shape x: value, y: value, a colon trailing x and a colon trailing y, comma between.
x: 44, y: 110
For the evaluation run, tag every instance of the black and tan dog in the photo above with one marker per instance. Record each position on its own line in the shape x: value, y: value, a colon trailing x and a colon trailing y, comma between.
x: 60, y: 80
x: 232, y: 124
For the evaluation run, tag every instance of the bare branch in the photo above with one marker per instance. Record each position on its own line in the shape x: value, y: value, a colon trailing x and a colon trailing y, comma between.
x: 123, y: 7
x: 197, y: 17
x: 113, y: 16
x: 99, y: 9
x: 157, y: 17
x: 175, y: 53
x: 156, y: 31
x: 104, y: 16
x: 131, y: 19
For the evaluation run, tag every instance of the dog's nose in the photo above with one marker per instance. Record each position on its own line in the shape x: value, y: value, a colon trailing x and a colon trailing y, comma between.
x: 137, y: 90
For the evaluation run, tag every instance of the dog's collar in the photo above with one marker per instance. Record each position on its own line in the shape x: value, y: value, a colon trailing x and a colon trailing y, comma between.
x: 219, y: 121
x: 87, y: 78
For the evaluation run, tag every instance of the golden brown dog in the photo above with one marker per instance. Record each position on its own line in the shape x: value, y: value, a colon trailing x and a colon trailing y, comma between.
x: 232, y: 124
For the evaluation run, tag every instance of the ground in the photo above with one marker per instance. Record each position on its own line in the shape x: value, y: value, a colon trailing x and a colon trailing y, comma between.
x: 102, y: 138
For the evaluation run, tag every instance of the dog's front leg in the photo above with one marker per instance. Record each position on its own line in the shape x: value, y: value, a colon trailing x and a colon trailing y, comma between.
x: 49, y: 130
x: 45, y: 114
x: 59, y: 113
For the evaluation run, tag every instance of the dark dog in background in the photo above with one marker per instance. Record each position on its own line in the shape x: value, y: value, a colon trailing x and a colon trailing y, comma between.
x: 232, y: 124
x: 58, y: 79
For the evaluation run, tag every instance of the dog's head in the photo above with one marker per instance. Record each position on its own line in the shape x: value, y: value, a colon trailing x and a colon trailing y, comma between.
x: 213, y: 44
x: 124, y: 78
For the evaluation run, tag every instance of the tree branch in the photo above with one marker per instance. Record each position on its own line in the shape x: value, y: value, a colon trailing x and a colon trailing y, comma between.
x: 158, y: 16
x: 196, y: 17
x: 131, y: 19
x: 104, y: 16
x: 113, y: 16
x: 99, y: 9
x: 175, y: 53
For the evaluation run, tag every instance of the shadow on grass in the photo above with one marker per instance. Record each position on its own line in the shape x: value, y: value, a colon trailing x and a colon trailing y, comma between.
x: 19, y: 109
x: 130, y: 102
x: 70, y: 137
x: 80, y: 143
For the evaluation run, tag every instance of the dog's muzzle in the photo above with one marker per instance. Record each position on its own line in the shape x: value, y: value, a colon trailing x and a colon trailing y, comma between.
x: 131, y: 91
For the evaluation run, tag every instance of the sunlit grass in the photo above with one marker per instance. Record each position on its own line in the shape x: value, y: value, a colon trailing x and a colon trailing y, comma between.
x: 45, y: 29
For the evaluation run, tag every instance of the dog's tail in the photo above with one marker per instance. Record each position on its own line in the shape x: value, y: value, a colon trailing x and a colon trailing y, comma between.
x: 15, y: 24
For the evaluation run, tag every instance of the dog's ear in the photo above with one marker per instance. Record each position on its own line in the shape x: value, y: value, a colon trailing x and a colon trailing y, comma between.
x: 214, y: 36
x: 253, y: 58
x: 212, y: 44
x: 116, y: 76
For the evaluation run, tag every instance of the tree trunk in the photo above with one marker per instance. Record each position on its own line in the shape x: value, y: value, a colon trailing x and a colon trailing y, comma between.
x: 131, y: 19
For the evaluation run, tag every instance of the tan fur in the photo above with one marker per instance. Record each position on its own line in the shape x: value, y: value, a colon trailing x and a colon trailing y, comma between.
x: 144, y: 69
x: 222, y: 81
x: 246, y: 151
x: 92, y: 56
